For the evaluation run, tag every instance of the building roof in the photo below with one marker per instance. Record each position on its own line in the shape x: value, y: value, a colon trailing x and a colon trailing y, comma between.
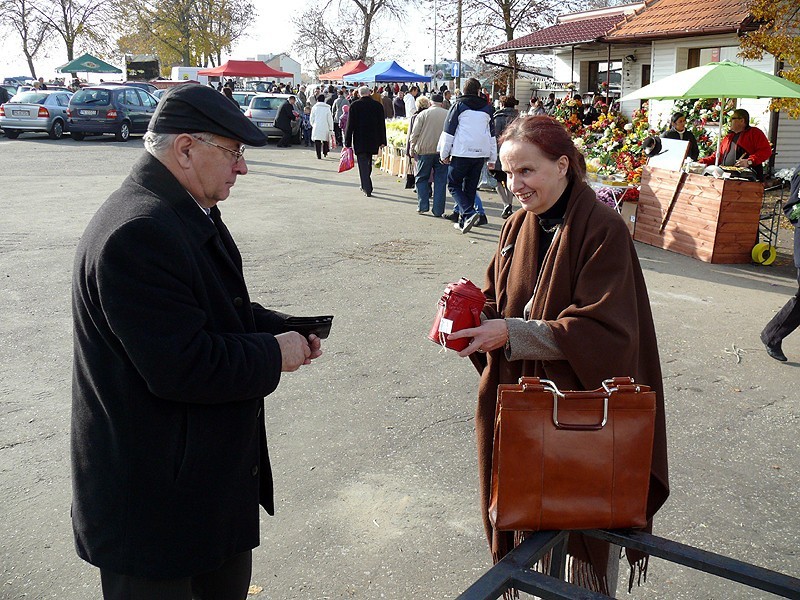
x: 660, y: 19
x: 570, y: 29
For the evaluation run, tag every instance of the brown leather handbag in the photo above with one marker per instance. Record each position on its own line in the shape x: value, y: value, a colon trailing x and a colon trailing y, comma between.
x: 571, y: 459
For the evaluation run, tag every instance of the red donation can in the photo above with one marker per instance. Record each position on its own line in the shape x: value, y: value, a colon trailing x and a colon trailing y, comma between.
x: 459, y: 308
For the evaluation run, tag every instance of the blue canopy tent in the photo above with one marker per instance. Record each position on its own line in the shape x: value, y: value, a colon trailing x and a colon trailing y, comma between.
x: 386, y: 70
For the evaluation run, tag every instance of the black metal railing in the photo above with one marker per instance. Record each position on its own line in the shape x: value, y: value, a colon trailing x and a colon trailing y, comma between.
x: 514, y: 570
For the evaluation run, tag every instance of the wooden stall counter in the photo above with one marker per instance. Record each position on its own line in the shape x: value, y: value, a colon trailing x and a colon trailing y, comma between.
x: 713, y: 220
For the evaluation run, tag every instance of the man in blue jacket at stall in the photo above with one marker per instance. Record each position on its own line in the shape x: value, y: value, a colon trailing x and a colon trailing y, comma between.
x: 466, y: 143
x: 171, y: 364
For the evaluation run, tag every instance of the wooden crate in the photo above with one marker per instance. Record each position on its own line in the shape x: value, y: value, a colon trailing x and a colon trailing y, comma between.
x: 386, y: 154
x: 713, y: 220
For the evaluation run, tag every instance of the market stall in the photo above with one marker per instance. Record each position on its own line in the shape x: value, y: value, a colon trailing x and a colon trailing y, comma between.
x: 713, y: 220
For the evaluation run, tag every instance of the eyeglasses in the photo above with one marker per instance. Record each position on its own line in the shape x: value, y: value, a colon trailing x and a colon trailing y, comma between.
x: 237, y: 154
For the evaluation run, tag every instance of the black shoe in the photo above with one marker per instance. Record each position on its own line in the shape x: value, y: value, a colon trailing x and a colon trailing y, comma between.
x: 507, y: 212
x: 453, y: 216
x: 775, y: 351
x: 482, y: 220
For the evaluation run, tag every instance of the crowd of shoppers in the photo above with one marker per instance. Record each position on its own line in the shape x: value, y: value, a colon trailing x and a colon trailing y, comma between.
x: 451, y: 140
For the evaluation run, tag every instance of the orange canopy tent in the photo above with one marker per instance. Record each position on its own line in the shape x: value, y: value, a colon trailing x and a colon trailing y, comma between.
x: 245, y: 68
x: 349, y: 68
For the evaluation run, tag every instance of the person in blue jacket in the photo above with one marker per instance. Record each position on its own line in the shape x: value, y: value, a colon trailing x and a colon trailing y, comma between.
x: 466, y: 144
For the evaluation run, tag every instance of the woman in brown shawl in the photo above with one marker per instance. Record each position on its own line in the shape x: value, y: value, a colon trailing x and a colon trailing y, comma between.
x: 566, y: 301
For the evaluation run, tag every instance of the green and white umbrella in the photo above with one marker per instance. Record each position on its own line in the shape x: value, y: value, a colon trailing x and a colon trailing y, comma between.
x: 88, y: 64
x: 720, y: 80
x: 724, y: 79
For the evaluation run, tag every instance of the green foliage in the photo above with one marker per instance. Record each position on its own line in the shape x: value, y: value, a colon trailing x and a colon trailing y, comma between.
x: 188, y: 32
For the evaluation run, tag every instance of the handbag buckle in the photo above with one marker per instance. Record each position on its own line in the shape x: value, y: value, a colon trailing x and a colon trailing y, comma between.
x: 553, y: 389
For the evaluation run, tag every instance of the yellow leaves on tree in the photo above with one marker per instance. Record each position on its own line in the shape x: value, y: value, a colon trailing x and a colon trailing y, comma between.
x: 779, y: 35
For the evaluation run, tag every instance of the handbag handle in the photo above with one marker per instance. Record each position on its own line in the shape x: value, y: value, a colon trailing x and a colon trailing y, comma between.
x: 536, y: 384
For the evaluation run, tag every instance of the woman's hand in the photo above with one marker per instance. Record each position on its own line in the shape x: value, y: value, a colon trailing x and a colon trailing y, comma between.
x: 490, y: 335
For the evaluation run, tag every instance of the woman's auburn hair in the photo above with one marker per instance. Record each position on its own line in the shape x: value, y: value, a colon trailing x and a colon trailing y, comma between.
x: 552, y: 139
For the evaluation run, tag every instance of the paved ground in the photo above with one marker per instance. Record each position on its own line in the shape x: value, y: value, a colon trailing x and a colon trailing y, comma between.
x: 373, y: 445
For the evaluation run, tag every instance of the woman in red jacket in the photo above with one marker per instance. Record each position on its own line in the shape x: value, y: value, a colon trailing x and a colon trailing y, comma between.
x: 744, y: 146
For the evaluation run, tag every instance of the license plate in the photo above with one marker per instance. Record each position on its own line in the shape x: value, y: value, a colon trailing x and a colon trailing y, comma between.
x: 265, y: 123
x: 20, y: 113
x: 87, y: 112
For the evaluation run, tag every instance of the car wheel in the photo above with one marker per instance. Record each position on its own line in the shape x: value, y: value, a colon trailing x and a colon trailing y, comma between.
x: 296, y: 137
x: 124, y: 132
x: 77, y: 136
x: 57, y: 130
x: 12, y: 134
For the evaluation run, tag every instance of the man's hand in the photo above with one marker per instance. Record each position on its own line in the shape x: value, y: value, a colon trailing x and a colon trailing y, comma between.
x: 295, y: 350
x: 490, y: 166
x: 315, y: 344
x: 445, y: 161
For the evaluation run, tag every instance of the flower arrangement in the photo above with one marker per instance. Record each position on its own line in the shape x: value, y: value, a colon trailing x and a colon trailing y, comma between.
x: 397, y: 132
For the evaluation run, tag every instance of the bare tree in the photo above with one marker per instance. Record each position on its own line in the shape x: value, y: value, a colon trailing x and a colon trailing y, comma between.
x: 30, y: 27
x: 327, y: 45
x: 331, y: 32
x: 487, y: 23
x: 74, y: 20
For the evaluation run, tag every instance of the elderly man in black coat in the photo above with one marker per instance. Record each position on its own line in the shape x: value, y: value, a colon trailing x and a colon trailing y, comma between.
x: 365, y: 133
x: 283, y: 121
x: 172, y: 361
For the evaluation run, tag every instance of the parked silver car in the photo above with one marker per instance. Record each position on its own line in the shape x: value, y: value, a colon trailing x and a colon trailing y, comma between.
x: 262, y: 111
x: 243, y: 98
x: 44, y: 111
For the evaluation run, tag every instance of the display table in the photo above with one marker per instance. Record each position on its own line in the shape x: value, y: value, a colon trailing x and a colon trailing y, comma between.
x: 713, y: 220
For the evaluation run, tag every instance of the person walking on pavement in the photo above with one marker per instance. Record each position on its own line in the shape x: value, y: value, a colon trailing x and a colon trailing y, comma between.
x: 788, y: 318
x: 424, y: 136
x: 171, y: 364
x: 366, y: 134
x: 321, y: 126
x: 502, y: 118
x: 286, y: 114
x: 466, y: 143
x: 338, y: 106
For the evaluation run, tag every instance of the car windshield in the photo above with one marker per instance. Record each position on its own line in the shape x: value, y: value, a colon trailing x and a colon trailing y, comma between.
x: 92, y: 97
x: 30, y: 98
x: 267, y: 103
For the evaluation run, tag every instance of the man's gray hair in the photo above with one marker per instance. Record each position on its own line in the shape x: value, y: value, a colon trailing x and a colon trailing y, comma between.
x: 158, y: 144
x: 364, y: 91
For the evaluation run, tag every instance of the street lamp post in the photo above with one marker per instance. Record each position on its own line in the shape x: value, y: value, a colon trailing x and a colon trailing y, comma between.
x: 435, y: 23
x: 458, y: 47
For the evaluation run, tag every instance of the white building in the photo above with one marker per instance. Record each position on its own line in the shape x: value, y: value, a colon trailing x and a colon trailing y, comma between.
x: 646, y: 42
x: 282, y: 62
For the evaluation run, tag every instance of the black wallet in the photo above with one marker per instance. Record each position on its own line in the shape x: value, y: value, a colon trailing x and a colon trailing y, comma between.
x: 319, y: 326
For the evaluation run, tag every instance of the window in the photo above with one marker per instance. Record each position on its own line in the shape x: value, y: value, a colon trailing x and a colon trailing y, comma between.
x: 98, y: 96
x: 132, y: 97
x: 146, y: 99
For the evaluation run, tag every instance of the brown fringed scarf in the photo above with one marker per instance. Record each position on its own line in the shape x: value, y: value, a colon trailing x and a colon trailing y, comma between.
x: 592, y: 294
